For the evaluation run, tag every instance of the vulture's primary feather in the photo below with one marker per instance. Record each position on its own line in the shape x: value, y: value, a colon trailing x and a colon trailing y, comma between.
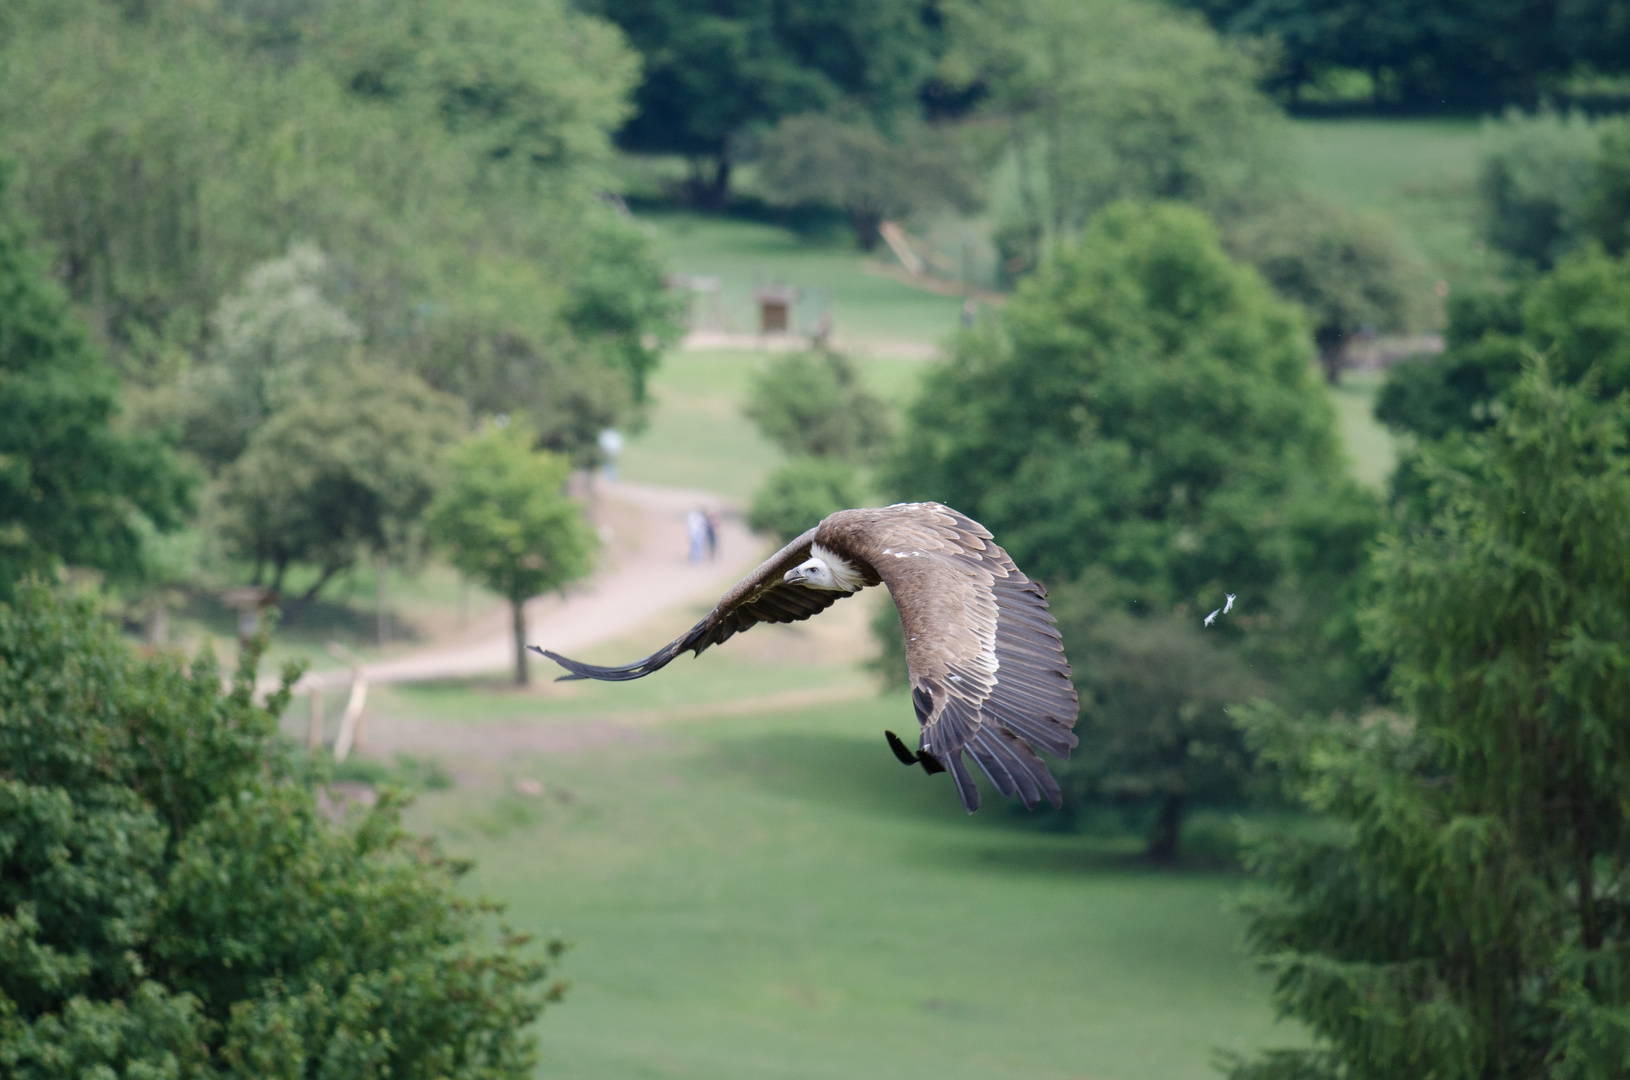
x: 988, y: 674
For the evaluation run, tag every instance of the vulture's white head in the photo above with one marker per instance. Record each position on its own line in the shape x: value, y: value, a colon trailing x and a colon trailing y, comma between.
x: 825, y: 569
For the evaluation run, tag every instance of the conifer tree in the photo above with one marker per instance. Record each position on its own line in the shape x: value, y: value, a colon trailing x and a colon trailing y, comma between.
x: 1466, y: 916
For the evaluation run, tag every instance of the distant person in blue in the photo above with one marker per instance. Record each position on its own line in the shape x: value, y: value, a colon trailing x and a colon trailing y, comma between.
x: 696, y: 526
x: 712, y: 521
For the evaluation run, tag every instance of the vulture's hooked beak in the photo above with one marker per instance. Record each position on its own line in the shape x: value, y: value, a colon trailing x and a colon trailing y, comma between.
x: 795, y: 576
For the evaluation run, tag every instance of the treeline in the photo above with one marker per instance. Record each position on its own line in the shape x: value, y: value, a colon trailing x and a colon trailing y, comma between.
x: 312, y: 246
x: 1434, y: 53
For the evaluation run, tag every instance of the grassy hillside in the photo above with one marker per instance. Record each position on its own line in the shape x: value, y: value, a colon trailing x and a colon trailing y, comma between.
x: 698, y: 437
x: 866, y: 306
x: 773, y: 896
x: 1420, y: 173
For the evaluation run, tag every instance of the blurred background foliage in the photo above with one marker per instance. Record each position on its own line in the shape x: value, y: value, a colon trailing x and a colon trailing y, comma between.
x: 294, y: 291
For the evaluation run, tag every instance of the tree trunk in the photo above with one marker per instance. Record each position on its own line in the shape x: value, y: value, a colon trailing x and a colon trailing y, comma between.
x: 1166, y: 836
x: 381, y: 568
x: 713, y: 193
x: 156, y: 631
x: 518, y: 612
x: 868, y: 228
x: 1329, y: 342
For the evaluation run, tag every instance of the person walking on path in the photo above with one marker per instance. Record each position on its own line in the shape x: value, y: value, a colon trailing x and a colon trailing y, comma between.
x: 711, y: 520
x: 696, y: 528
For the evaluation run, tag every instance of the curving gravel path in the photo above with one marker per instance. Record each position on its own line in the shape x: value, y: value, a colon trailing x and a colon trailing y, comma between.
x: 642, y: 579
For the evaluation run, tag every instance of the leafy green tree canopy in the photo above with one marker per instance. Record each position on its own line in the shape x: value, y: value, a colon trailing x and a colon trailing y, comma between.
x: 1139, y: 405
x: 815, y: 404
x: 446, y: 157
x: 269, y: 343
x: 174, y: 902
x: 874, y: 178
x: 506, y: 520
x: 714, y: 70
x: 1144, y: 422
x: 73, y: 488
x: 350, y: 465
x: 1578, y: 316
x: 1534, y: 183
x: 1462, y: 918
x: 1106, y: 100
x: 1155, y: 729
x: 1351, y: 273
x: 1431, y: 52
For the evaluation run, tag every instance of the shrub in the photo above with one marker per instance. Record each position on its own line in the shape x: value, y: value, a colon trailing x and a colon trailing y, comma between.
x: 1533, y: 184
x: 814, y: 404
x: 798, y: 495
x: 173, y: 902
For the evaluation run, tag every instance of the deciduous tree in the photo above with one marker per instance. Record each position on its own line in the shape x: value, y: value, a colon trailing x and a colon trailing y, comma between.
x: 1351, y: 273
x: 506, y: 520
x: 1145, y: 414
x: 1104, y: 100
x: 872, y: 176
x: 714, y: 70
x: 350, y: 465
x: 1578, y: 316
x: 73, y: 488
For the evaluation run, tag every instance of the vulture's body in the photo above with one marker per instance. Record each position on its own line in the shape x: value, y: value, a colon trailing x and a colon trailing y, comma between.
x: 988, y: 675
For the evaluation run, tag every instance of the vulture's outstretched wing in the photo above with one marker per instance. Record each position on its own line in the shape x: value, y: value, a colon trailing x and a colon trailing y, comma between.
x: 988, y: 673
x: 761, y: 596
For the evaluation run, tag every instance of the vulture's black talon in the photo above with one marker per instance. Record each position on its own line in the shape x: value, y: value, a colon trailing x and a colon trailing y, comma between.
x: 930, y: 763
x: 906, y: 756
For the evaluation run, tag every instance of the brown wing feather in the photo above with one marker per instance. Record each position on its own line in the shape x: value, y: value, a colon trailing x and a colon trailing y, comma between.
x: 759, y: 597
x: 988, y: 673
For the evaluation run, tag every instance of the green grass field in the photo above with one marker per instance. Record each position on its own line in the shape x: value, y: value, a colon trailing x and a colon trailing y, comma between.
x: 1420, y: 173
x: 754, y: 888
x: 742, y: 254
x: 698, y: 437
x: 772, y: 896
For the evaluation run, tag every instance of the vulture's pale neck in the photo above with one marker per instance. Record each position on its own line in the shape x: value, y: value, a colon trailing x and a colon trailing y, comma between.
x: 845, y: 575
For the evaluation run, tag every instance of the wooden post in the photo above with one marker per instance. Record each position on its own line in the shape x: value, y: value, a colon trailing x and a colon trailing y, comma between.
x: 349, y: 723
x: 901, y: 246
x: 380, y: 568
x: 314, y: 722
x: 350, y: 735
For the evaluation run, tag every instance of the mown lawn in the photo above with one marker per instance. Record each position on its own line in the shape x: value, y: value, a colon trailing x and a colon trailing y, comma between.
x: 1420, y: 173
x: 773, y: 896
x: 744, y: 254
x: 698, y: 437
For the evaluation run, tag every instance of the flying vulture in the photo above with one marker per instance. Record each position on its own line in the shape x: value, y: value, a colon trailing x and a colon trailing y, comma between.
x: 988, y: 674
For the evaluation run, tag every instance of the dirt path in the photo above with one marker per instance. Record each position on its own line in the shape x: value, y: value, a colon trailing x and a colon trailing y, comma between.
x: 646, y: 573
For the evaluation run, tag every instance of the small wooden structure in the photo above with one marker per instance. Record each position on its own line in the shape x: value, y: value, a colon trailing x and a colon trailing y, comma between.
x: 775, y: 308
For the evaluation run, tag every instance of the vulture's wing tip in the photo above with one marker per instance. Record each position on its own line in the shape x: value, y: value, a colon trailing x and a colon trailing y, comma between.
x: 571, y: 666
